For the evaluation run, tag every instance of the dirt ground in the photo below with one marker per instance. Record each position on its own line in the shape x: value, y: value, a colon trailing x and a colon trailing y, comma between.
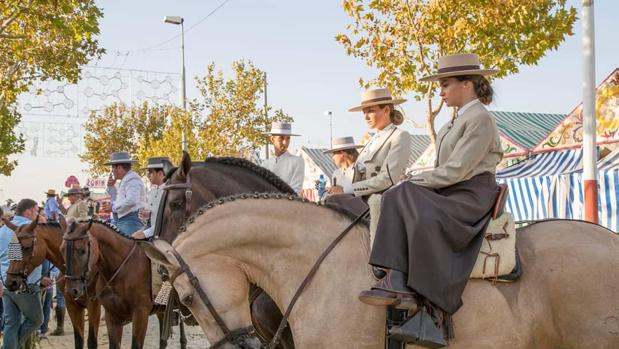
x: 195, y: 337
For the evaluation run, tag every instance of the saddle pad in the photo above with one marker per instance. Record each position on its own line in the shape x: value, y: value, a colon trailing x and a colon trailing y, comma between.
x: 497, y: 255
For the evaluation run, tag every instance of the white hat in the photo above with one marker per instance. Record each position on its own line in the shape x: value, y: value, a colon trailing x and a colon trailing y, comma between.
x: 281, y: 129
x: 458, y: 65
x: 377, y: 96
x: 342, y: 143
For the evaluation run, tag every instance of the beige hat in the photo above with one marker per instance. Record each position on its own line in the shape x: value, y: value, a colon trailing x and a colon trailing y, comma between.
x: 458, y: 65
x: 51, y: 192
x: 281, y: 129
x: 377, y: 96
x: 342, y: 143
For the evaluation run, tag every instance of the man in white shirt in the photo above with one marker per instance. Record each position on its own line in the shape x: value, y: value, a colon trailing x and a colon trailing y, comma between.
x: 128, y: 198
x: 156, y: 176
x: 290, y: 168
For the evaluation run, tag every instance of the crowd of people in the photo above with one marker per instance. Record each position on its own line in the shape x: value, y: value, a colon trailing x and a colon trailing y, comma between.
x: 425, y: 244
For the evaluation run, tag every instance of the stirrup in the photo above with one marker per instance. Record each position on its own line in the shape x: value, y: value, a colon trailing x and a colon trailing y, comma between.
x: 420, y: 330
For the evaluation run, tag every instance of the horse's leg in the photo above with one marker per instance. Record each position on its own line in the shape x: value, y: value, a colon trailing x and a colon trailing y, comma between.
x: 163, y: 343
x: 181, y: 327
x: 94, y: 318
x: 76, y: 313
x: 114, y: 330
x: 139, y: 318
x: 266, y: 316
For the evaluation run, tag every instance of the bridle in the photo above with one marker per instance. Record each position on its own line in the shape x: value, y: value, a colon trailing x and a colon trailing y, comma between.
x: 69, y: 241
x: 24, y: 273
x: 166, y: 188
x: 234, y: 337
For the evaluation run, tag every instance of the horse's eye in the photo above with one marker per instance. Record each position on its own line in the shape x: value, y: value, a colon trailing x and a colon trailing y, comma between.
x: 176, y: 203
x: 188, y: 300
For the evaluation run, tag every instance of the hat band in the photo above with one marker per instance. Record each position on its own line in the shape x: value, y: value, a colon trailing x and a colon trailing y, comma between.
x: 458, y: 68
x: 377, y: 100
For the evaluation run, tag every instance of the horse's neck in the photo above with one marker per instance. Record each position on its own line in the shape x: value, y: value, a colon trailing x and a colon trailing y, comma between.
x: 53, y: 240
x: 232, y: 180
x: 112, y: 248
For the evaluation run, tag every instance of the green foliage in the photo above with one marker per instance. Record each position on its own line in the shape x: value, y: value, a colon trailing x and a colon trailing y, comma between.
x: 404, y: 38
x: 226, y: 120
x: 40, y: 40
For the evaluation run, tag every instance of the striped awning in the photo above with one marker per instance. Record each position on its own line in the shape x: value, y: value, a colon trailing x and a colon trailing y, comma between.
x: 526, y: 129
x: 545, y: 164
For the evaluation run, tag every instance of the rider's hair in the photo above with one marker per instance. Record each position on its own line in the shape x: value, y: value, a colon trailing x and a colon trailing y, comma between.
x: 352, y: 154
x: 396, y: 116
x: 23, y: 205
x: 126, y: 167
x: 482, y: 87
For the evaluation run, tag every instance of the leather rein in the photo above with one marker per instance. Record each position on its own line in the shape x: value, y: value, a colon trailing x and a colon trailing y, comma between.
x: 24, y: 274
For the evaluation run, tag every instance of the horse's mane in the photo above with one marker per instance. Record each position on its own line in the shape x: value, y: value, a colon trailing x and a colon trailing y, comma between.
x: 50, y: 224
x: 267, y: 175
x: 244, y: 196
x: 112, y: 227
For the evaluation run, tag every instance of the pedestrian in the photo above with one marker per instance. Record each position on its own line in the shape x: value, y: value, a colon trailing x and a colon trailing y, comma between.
x: 288, y: 167
x: 23, y: 312
x: 51, y: 208
x: 128, y: 198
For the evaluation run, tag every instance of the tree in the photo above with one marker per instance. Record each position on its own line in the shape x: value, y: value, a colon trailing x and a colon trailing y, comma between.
x: 404, y: 38
x: 224, y: 121
x: 40, y: 40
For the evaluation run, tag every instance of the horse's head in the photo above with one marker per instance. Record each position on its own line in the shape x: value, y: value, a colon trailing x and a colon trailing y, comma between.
x: 32, y: 254
x: 76, y: 250
x: 184, y: 193
x: 223, y: 313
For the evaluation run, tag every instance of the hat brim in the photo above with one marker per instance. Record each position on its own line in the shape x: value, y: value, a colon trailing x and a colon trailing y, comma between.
x: 153, y: 167
x: 393, y: 101
x: 436, y: 77
x: 333, y: 150
x: 116, y: 162
x: 281, y: 134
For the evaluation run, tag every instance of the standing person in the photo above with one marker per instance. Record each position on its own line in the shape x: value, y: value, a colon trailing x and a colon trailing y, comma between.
x: 130, y: 196
x: 78, y: 208
x: 288, y: 167
x: 344, y: 152
x: 93, y: 205
x: 46, y: 299
x: 385, y: 156
x: 23, y: 312
x: 51, y: 208
x: 156, y: 177
x: 431, y: 225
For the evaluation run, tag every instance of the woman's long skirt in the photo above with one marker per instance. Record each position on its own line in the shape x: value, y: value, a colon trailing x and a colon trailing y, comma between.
x: 435, y: 235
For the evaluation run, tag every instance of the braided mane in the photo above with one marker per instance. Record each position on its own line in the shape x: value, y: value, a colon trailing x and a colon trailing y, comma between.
x: 111, y: 226
x: 267, y: 196
x: 262, y: 172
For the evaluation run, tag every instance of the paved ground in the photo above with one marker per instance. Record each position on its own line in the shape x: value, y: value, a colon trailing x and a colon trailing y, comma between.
x: 195, y: 338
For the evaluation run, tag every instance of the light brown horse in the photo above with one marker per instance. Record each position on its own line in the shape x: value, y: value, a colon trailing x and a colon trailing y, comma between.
x: 568, y: 296
x: 42, y: 241
x: 96, y: 249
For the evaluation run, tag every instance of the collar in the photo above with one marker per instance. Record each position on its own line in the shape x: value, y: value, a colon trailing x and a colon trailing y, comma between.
x: 20, y: 220
x: 285, y: 154
x: 463, y: 108
x: 385, y: 130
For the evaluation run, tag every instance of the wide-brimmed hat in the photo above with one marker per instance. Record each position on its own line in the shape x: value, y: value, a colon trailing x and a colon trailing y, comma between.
x: 85, y: 190
x: 51, y: 192
x: 378, y: 96
x: 156, y: 163
x: 342, y: 143
x: 458, y: 65
x: 73, y: 191
x: 121, y: 157
x: 281, y: 129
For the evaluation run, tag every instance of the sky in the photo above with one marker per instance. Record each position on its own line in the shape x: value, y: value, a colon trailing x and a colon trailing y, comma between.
x: 308, y: 71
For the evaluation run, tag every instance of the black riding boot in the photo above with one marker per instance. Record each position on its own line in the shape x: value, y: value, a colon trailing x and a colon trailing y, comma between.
x: 59, y: 331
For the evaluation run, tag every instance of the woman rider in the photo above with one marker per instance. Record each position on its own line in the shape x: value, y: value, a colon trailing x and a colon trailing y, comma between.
x: 431, y: 225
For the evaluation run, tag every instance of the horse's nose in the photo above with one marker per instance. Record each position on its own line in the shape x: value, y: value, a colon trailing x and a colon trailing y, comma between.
x: 75, y: 292
x: 13, y: 285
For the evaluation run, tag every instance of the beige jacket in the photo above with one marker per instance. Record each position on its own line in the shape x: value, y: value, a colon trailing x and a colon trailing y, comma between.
x: 468, y: 148
x: 79, y: 210
x: 384, y: 165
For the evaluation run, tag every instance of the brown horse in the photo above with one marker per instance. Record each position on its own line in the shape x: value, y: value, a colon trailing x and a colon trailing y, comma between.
x: 42, y: 241
x: 567, y: 297
x: 97, y: 249
x: 203, y: 182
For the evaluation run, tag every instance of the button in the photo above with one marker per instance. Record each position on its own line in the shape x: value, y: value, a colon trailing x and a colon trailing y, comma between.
x: 377, y: 168
x: 373, y: 174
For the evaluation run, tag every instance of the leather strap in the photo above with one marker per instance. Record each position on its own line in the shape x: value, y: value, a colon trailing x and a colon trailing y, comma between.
x: 122, y: 264
x: 284, y: 323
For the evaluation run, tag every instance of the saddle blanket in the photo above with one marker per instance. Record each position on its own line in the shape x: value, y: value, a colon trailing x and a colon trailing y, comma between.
x: 497, y: 255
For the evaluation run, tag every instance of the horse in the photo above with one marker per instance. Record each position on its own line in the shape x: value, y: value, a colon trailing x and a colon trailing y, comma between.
x: 194, y: 184
x: 42, y: 241
x: 568, y: 295
x: 98, y: 250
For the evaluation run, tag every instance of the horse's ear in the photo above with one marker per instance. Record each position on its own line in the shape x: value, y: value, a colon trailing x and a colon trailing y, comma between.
x: 159, y: 251
x: 167, y: 167
x: 63, y: 223
x: 185, y: 163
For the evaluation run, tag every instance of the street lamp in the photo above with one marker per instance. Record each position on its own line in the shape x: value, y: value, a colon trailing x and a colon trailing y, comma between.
x: 330, y: 115
x: 179, y: 20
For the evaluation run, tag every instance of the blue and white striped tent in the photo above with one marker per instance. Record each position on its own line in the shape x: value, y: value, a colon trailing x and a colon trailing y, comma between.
x: 549, y: 185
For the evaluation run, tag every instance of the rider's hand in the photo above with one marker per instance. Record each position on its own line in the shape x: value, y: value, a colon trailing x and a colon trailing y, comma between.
x: 46, y: 282
x: 336, y: 189
x: 111, y: 181
x: 139, y: 235
x: 106, y: 206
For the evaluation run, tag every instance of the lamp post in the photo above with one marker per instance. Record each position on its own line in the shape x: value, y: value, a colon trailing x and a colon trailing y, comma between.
x: 330, y: 115
x: 178, y: 20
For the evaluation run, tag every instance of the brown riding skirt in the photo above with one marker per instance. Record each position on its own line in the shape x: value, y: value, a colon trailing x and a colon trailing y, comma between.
x: 434, y: 235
